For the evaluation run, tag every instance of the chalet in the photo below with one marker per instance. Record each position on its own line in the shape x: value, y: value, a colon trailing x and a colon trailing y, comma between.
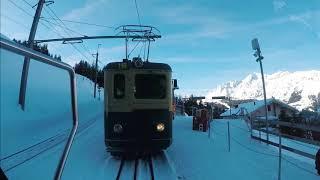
x: 256, y: 109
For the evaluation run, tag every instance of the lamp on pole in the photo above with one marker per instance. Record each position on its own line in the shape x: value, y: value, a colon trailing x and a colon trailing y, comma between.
x: 257, y: 54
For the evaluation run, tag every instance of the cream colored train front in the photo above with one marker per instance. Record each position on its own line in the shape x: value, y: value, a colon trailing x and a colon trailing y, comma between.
x: 138, y: 106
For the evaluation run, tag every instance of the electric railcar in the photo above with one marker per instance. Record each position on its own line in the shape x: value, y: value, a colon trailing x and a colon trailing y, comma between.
x: 138, y: 106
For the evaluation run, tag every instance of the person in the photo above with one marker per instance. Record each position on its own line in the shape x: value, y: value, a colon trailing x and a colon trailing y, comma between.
x: 317, y: 162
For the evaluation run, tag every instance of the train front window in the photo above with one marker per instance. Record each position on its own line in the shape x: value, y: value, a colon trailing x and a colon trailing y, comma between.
x: 119, y: 86
x: 150, y: 86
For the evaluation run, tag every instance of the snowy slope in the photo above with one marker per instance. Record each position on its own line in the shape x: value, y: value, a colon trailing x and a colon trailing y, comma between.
x: 294, y: 88
x: 48, y: 104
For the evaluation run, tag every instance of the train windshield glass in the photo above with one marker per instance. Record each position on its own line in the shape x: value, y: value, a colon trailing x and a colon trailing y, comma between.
x: 119, y: 86
x: 150, y: 86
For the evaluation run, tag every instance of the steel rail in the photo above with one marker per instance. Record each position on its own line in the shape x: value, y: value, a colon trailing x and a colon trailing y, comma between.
x: 34, y: 55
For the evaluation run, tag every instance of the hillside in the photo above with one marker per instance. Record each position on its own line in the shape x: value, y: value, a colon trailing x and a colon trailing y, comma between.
x: 48, y: 104
x: 300, y: 89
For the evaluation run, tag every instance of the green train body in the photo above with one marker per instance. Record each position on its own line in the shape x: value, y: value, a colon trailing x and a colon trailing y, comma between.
x: 138, y: 106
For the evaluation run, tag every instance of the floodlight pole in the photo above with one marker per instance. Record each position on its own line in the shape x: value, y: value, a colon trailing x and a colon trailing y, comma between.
x: 259, y: 59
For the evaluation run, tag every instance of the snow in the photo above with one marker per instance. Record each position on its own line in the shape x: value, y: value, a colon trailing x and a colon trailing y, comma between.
x: 305, y: 147
x: 48, y: 97
x: 193, y: 155
x: 280, y: 85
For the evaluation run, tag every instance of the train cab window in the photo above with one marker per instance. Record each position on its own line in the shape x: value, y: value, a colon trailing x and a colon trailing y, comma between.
x: 119, y: 86
x: 150, y: 86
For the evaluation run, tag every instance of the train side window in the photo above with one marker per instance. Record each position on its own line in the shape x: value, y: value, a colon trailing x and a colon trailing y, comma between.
x: 119, y: 86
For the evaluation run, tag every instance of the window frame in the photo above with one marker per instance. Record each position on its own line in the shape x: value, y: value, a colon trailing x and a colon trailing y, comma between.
x: 162, y: 75
x: 115, y: 83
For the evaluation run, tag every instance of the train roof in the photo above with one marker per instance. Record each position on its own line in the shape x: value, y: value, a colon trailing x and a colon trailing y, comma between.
x: 146, y: 65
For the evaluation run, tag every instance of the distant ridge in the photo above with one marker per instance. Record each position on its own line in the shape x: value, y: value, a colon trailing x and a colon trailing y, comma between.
x: 300, y: 89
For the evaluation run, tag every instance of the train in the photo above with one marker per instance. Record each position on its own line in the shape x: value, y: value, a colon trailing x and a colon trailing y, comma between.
x: 138, y: 108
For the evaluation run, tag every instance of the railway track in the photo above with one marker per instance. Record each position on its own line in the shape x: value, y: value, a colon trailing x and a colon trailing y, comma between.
x: 139, y: 168
x: 148, y: 167
x: 22, y: 156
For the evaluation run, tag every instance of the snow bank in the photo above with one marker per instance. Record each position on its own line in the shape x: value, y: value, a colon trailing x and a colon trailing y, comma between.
x: 48, y: 103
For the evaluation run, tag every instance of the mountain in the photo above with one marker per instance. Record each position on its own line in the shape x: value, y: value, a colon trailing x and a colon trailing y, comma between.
x: 300, y: 89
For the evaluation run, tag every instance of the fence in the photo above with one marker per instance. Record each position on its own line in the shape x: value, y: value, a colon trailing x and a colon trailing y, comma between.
x: 234, y: 139
x: 259, y: 125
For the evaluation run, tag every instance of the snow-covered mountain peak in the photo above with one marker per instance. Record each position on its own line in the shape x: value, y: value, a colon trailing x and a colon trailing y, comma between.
x: 296, y: 88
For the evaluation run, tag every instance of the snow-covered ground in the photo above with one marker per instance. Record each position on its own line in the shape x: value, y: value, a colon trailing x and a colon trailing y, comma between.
x: 48, y: 104
x: 193, y: 155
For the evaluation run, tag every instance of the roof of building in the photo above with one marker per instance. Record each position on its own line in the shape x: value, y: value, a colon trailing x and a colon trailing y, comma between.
x: 250, y: 107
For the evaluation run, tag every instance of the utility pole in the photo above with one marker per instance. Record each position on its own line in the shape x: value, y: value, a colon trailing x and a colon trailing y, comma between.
x: 255, y: 46
x: 26, y: 63
x: 96, y: 75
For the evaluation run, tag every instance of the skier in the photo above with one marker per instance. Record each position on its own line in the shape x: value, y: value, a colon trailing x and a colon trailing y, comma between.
x: 317, y: 162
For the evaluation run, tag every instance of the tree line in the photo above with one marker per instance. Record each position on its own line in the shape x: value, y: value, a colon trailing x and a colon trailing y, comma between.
x: 89, y: 70
x: 191, y: 104
x: 40, y: 48
x: 83, y: 68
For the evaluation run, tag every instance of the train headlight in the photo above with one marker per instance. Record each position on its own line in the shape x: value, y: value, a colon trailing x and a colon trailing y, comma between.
x: 160, y: 127
x: 117, y: 128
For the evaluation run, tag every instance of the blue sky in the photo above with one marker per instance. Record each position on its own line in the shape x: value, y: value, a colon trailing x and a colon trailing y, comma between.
x: 207, y: 42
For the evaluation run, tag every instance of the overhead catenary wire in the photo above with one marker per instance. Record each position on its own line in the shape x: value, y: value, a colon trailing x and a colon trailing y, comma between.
x: 80, y: 22
x: 64, y: 27
x: 137, y: 10
x: 26, y: 12
x: 19, y: 7
x: 15, y: 21
x: 54, y: 30
x: 59, y: 20
x: 28, y: 3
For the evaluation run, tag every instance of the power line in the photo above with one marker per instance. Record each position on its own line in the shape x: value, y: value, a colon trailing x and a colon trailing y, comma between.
x: 13, y: 20
x: 57, y: 18
x: 20, y: 8
x: 28, y: 3
x: 55, y: 31
x: 79, y: 22
x: 26, y: 12
x: 135, y: 2
x: 63, y: 27
x: 84, y: 47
